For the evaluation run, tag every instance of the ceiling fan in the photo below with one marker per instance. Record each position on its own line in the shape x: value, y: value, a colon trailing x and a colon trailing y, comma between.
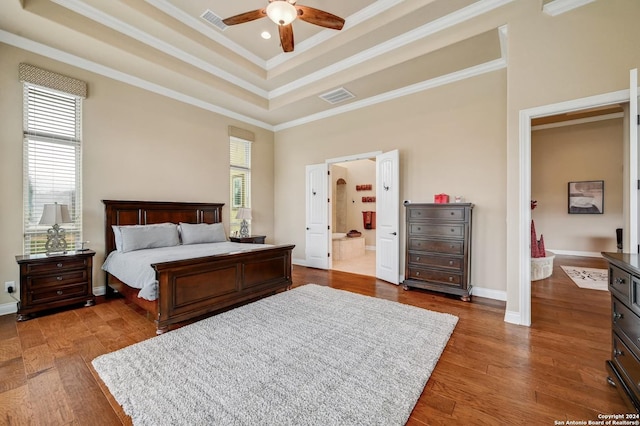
x: 283, y: 13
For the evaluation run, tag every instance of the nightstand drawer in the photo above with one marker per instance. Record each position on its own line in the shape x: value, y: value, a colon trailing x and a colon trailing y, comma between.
x: 52, y: 294
x: 619, y: 282
x: 59, y: 265
x: 61, y: 279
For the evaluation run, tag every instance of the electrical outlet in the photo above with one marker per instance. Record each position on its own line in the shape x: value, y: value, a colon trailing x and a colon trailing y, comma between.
x: 8, y: 284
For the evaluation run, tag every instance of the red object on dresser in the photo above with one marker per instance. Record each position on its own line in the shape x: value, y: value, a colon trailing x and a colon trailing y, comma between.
x: 441, y: 198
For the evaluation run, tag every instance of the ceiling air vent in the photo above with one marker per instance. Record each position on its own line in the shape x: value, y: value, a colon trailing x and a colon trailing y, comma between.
x: 214, y: 20
x: 337, y: 96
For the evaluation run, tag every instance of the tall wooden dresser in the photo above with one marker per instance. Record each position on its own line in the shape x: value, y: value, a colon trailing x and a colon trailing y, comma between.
x: 624, y: 365
x: 438, y: 254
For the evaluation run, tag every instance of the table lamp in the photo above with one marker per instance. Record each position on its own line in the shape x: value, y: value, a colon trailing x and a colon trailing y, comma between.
x: 55, y: 214
x: 244, y: 214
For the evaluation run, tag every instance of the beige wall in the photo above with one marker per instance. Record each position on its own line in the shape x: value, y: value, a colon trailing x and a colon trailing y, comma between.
x: 591, y: 151
x: 451, y: 140
x: 136, y: 145
x: 587, y: 51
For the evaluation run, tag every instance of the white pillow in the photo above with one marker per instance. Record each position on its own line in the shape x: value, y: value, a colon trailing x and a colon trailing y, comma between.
x: 202, y: 233
x: 138, y: 237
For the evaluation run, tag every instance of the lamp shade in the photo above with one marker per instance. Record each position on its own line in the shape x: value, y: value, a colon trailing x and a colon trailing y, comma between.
x: 244, y: 214
x: 53, y: 214
x: 281, y: 12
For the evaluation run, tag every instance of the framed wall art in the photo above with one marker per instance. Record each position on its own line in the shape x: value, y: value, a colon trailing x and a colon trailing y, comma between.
x: 586, y: 197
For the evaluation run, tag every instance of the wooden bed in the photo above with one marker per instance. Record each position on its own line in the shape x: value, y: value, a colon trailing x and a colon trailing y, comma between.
x: 192, y: 288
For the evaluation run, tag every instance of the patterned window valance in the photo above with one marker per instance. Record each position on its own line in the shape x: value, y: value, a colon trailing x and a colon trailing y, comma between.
x: 243, y: 134
x: 30, y: 74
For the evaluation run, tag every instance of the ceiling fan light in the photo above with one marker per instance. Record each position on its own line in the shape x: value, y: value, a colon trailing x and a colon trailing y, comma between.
x: 281, y: 12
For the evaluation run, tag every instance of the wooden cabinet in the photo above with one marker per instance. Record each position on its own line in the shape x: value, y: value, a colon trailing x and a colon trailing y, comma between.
x: 624, y: 366
x: 54, y: 281
x: 253, y: 239
x: 438, y: 254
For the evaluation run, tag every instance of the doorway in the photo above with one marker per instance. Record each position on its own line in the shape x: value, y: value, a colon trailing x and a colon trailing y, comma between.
x: 352, y: 194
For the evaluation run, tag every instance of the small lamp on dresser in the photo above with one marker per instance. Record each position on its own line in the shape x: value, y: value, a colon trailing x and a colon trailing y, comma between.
x: 244, y: 214
x: 55, y: 214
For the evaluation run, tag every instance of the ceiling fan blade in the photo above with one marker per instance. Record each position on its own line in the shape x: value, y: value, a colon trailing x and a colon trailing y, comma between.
x: 286, y: 37
x: 320, y: 17
x: 245, y: 17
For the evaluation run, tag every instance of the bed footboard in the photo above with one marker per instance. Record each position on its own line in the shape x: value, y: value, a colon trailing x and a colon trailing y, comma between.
x: 191, y: 288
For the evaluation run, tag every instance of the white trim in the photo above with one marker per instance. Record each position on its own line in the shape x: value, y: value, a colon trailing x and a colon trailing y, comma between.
x: 398, y: 42
x: 576, y: 253
x: 207, y: 31
x: 524, y: 193
x: 579, y: 121
x: 67, y: 58
x: 355, y: 157
x: 558, y: 7
x: 100, y: 290
x: 8, y: 308
x: 489, y: 293
x: 96, y: 15
x: 494, y: 65
x: 300, y: 262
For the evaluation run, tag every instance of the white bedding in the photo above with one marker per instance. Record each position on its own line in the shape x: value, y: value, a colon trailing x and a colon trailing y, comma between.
x: 134, y: 268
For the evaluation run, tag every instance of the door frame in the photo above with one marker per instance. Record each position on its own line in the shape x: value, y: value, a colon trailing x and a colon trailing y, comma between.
x: 523, y: 316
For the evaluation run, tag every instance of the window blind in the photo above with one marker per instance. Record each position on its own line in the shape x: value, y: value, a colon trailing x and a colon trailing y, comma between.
x: 240, y: 179
x: 52, y: 162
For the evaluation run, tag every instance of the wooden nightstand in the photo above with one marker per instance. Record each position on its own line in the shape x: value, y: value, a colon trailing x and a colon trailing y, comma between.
x: 48, y: 282
x: 253, y: 239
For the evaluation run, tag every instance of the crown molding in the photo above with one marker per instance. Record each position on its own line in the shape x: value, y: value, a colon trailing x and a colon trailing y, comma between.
x: 412, y: 36
x: 490, y: 66
x: 96, y: 15
x: 558, y: 7
x: 76, y: 61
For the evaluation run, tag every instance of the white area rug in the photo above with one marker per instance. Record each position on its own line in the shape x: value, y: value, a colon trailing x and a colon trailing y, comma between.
x: 309, y: 356
x: 595, y: 279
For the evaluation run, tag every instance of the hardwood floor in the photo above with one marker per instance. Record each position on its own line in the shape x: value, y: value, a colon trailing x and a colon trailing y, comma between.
x: 490, y: 373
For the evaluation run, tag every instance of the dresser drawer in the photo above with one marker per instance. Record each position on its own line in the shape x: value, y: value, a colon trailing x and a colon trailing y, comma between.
x: 619, y: 282
x: 438, y: 246
x: 444, y: 230
x: 51, y: 267
x: 442, y: 277
x: 52, y: 294
x: 444, y: 213
x: 625, y: 320
x: 626, y: 360
x: 61, y: 279
x: 448, y: 262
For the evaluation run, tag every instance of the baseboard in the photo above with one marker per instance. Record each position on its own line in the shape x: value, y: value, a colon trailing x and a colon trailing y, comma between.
x: 100, y: 290
x: 372, y: 248
x: 8, y: 308
x: 576, y: 253
x: 489, y: 293
x: 512, y: 317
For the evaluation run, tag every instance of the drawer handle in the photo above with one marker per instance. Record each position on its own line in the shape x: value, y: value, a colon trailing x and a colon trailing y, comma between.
x: 450, y: 279
x: 417, y: 273
x: 452, y: 213
x: 611, y: 381
x: 419, y: 229
x: 617, y: 352
x: 452, y: 246
x: 617, y: 316
x: 453, y: 230
x: 59, y: 292
x: 618, y: 280
x: 418, y: 259
x: 59, y: 278
x: 59, y: 265
x: 451, y: 262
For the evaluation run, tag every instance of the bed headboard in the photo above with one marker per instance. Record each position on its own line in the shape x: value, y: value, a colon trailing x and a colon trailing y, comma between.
x: 118, y: 212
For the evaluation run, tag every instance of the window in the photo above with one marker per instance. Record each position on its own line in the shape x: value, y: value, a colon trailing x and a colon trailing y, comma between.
x: 240, y: 160
x: 52, y: 162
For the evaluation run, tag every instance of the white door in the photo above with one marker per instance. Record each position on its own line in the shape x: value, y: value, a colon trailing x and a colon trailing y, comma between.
x: 317, y: 220
x: 388, y: 214
x: 631, y: 246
